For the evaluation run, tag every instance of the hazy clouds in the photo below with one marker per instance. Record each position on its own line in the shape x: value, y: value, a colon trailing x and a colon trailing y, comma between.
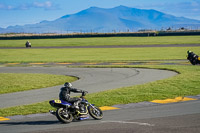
x: 47, y: 5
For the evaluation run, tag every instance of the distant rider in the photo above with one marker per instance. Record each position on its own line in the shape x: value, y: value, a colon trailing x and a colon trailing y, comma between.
x: 192, y: 54
x: 28, y: 44
x: 65, y: 94
x: 193, y: 57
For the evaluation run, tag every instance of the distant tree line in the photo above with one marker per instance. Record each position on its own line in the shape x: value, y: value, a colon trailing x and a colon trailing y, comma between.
x: 142, y: 33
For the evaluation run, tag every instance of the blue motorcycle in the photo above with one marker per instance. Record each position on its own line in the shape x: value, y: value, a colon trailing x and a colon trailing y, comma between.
x: 66, y: 112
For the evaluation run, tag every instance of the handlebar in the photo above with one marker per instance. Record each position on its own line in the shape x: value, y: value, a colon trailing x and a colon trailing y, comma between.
x: 84, y: 93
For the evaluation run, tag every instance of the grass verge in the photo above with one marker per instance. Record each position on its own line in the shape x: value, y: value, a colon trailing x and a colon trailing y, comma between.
x: 100, y: 41
x: 184, y: 84
x: 94, y: 54
x: 14, y: 82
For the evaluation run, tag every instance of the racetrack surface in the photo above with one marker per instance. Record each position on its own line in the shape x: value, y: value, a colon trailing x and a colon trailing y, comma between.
x: 174, y: 118
x: 90, y: 79
x: 152, y: 118
x: 170, y: 118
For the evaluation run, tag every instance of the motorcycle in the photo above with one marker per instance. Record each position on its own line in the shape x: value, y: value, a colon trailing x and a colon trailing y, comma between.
x: 66, y: 112
x: 28, y: 44
x: 193, y: 58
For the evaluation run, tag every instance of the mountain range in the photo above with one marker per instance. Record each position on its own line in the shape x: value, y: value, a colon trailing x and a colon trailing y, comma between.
x: 115, y: 19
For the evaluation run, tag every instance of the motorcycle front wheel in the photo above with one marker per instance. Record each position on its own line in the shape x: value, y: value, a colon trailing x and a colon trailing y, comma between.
x: 63, y: 116
x: 95, y: 112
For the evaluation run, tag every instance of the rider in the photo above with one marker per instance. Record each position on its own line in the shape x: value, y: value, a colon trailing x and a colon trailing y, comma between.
x: 28, y: 44
x: 192, y: 54
x: 65, y: 94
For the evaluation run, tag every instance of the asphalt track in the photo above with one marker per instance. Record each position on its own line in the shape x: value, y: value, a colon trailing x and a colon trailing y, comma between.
x: 170, y: 118
x: 177, y: 117
x: 90, y: 79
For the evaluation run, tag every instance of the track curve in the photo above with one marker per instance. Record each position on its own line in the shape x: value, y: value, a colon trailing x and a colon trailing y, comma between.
x: 91, y: 79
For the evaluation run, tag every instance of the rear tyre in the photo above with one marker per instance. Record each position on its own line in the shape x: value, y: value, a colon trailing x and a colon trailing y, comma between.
x: 95, y: 112
x: 63, y: 116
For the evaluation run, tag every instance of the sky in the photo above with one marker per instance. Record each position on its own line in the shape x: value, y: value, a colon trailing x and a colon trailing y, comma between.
x: 21, y: 12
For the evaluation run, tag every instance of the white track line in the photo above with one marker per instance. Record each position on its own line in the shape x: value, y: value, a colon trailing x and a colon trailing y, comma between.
x: 126, y: 122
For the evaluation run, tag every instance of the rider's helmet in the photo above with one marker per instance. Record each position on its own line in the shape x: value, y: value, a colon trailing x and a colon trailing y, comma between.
x: 67, y: 84
x: 189, y: 51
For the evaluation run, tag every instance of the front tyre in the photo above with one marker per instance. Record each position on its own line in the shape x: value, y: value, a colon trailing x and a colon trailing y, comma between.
x: 63, y: 116
x: 95, y: 112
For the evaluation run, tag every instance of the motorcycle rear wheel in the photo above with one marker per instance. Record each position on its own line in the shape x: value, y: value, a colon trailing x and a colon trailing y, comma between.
x: 62, y: 116
x: 95, y: 113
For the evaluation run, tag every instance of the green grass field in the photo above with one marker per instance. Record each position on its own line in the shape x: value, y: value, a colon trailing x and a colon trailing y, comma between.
x: 185, y: 83
x: 14, y: 82
x: 94, y: 54
x: 99, y: 41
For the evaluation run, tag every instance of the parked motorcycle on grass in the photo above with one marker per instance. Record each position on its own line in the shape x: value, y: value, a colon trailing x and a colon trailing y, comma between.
x: 193, y: 58
x: 66, y: 112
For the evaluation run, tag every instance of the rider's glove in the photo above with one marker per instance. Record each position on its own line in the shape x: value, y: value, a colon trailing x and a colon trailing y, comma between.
x: 84, y: 93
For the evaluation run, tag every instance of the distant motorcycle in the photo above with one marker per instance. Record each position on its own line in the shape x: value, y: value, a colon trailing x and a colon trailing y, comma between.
x: 28, y: 44
x: 193, y: 58
x: 66, y: 113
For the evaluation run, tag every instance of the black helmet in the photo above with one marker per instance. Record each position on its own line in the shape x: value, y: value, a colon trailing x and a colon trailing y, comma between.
x: 67, y: 84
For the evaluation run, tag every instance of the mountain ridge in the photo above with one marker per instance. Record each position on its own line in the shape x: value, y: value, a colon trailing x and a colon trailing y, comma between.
x: 95, y: 19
